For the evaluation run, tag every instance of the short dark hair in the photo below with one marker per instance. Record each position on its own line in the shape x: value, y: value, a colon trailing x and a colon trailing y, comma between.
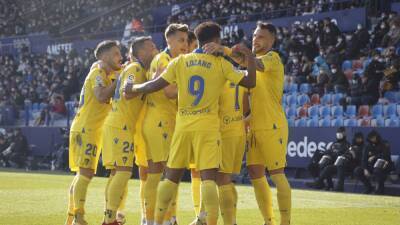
x: 137, y: 44
x: 191, y: 37
x: 207, y: 31
x: 175, y: 27
x: 267, y: 26
x: 104, y: 46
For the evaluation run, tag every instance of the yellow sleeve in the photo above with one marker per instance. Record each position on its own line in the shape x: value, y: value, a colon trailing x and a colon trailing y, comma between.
x: 134, y: 74
x: 98, y: 78
x: 169, y: 73
x: 163, y: 61
x: 230, y: 73
x: 270, y: 60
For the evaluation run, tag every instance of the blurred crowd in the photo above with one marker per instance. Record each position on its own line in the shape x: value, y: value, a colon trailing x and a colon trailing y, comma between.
x: 317, y: 52
x: 14, y: 148
x: 46, y: 80
x: 19, y: 17
x: 232, y: 11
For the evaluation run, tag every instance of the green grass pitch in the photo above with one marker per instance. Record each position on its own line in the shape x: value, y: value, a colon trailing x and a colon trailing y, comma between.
x: 41, y: 199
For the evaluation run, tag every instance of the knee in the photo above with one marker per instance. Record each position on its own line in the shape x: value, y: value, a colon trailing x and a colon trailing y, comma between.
x: 223, y: 179
x: 256, y: 171
x: 89, y: 173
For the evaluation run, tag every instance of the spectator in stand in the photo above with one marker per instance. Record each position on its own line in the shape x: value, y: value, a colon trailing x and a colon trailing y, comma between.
x: 57, y: 108
x: 306, y: 70
x: 338, y: 81
x: 361, y: 37
x: 356, y: 91
x: 352, y: 50
x: 373, y: 75
x: 379, y: 31
x: 310, y: 48
x: 320, y: 86
x: 293, y: 67
x: 392, y: 38
x: 17, y: 151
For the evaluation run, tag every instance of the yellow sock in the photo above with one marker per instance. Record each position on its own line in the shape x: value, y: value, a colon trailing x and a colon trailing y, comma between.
x: 264, y: 199
x: 171, y: 211
x: 122, y: 204
x: 107, y: 187
x: 196, y: 194
x: 235, y: 201
x: 80, y: 190
x: 141, y: 193
x: 150, y: 194
x: 115, y: 194
x: 71, y: 197
x: 284, y: 194
x: 165, y: 193
x: 226, y: 203
x: 209, y: 196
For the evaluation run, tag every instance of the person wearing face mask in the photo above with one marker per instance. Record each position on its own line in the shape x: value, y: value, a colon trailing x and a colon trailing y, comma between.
x: 344, y: 163
x: 338, y: 81
x: 379, y: 32
x: 310, y: 48
x: 361, y: 36
x: 293, y: 67
x: 373, y: 74
x: 392, y: 38
x: 320, y: 160
x: 375, y: 160
x: 355, y: 93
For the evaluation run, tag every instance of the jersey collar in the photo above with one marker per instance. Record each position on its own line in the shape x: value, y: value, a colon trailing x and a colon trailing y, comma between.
x: 140, y: 63
x: 166, y: 50
x: 199, y: 50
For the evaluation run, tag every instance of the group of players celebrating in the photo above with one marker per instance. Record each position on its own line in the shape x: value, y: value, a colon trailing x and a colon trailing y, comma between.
x: 186, y: 107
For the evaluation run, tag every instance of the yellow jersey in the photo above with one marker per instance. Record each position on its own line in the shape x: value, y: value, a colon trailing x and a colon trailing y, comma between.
x: 124, y: 113
x: 200, y: 79
x: 91, y: 112
x: 231, y: 110
x: 159, y: 107
x: 266, y: 98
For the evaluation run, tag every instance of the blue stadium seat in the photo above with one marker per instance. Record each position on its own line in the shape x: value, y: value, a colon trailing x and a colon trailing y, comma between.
x: 378, y: 122
x: 347, y: 65
x: 366, y: 63
x: 325, y: 122
x: 293, y: 88
x: 391, y: 96
x: 291, y: 122
x: 336, y: 98
x: 300, y: 122
x: 338, y: 122
x: 313, y: 111
x: 326, y: 99
x: 393, y: 121
x: 377, y: 111
x: 291, y: 112
x: 350, y: 122
x: 390, y: 110
x: 337, y: 111
x: 35, y: 106
x: 291, y: 100
x: 351, y: 111
x: 325, y: 111
x: 313, y: 122
x: 380, y: 50
x: 303, y: 99
x: 286, y: 87
x: 398, y: 97
x: 43, y: 106
x: 305, y: 88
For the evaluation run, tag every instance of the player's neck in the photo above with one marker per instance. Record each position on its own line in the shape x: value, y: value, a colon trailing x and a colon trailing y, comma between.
x: 263, y: 52
x: 173, y: 53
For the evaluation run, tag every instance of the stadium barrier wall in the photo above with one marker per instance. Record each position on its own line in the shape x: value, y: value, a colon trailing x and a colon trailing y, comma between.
x: 302, y: 144
x: 346, y: 19
x: 395, y: 7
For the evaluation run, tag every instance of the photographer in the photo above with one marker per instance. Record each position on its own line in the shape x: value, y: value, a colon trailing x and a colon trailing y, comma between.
x: 346, y: 162
x: 375, y: 160
x: 320, y: 160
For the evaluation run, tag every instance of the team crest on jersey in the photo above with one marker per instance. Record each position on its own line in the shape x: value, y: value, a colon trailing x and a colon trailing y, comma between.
x: 99, y: 81
x: 124, y: 159
x: 116, y: 140
x: 86, y: 161
x: 130, y: 78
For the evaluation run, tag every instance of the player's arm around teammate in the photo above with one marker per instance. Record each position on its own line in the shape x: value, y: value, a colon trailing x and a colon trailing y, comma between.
x: 180, y: 153
x: 85, y: 133
x: 269, y: 130
x: 120, y: 126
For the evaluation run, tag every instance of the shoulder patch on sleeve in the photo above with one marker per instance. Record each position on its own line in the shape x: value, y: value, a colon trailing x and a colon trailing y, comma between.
x: 99, y: 81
